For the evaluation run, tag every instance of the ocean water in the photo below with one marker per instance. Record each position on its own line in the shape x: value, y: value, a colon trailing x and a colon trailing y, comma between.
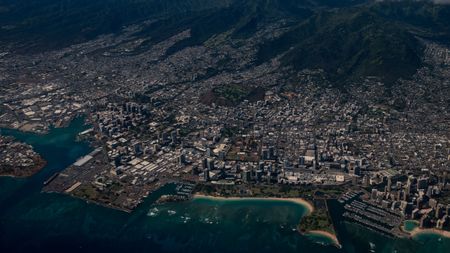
x: 31, y: 221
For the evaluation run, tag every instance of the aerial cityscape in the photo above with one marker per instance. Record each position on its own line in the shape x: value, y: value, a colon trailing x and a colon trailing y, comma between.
x: 257, y: 125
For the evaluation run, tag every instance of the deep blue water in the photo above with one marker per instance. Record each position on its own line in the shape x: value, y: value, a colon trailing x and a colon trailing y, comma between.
x: 31, y: 221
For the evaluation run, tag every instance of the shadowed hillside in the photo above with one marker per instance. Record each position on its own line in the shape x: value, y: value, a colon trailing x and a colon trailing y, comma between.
x: 348, y: 39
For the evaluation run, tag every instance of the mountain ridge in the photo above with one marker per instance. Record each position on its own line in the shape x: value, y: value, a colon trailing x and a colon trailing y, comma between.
x: 349, y: 39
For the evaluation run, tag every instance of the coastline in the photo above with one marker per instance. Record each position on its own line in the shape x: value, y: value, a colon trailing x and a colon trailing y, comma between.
x: 327, y: 234
x: 41, y: 165
x: 54, y: 125
x: 88, y: 201
x: 309, y: 207
x: 419, y: 231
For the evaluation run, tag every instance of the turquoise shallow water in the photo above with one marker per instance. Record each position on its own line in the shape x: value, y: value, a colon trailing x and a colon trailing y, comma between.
x: 410, y: 225
x: 31, y: 221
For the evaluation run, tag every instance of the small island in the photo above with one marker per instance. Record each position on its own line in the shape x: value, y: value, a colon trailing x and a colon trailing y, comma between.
x: 18, y: 159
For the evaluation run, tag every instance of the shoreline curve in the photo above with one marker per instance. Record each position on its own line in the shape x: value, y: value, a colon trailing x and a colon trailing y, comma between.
x: 327, y: 234
x: 309, y: 207
x: 300, y: 201
x: 419, y: 231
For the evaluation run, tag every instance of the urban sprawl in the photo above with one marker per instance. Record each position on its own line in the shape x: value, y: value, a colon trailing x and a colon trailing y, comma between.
x: 156, y: 120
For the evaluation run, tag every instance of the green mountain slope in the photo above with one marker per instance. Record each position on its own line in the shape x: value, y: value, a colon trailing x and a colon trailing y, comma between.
x: 380, y: 39
x: 348, y: 44
x: 349, y: 39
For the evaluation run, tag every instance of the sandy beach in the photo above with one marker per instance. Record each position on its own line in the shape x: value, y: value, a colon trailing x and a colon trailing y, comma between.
x: 418, y: 231
x: 299, y: 201
x: 326, y: 234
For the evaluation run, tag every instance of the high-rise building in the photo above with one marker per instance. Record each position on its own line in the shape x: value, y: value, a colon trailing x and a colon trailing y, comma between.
x: 440, y: 223
x: 389, y: 184
x: 366, y: 181
x: 247, y: 175
x: 261, y: 166
x: 422, y: 183
x: 238, y: 167
x: 301, y: 160
x: 408, y: 187
x: 206, y: 175
x: 163, y: 137
x: 399, y: 195
x: 259, y: 174
x: 425, y: 221
x: 182, y: 159
x: 173, y: 136
x: 271, y: 153
x: 205, y: 163
x: 265, y: 154
x: 354, y: 180
x: 433, y: 203
x: 222, y: 155
x: 357, y: 170
x: 440, y: 211
x: 194, y: 170
x: 419, y: 203
x: 287, y: 164
x: 209, y: 152
x: 429, y: 191
x: 374, y: 194
x: 210, y: 164
x: 137, y: 146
